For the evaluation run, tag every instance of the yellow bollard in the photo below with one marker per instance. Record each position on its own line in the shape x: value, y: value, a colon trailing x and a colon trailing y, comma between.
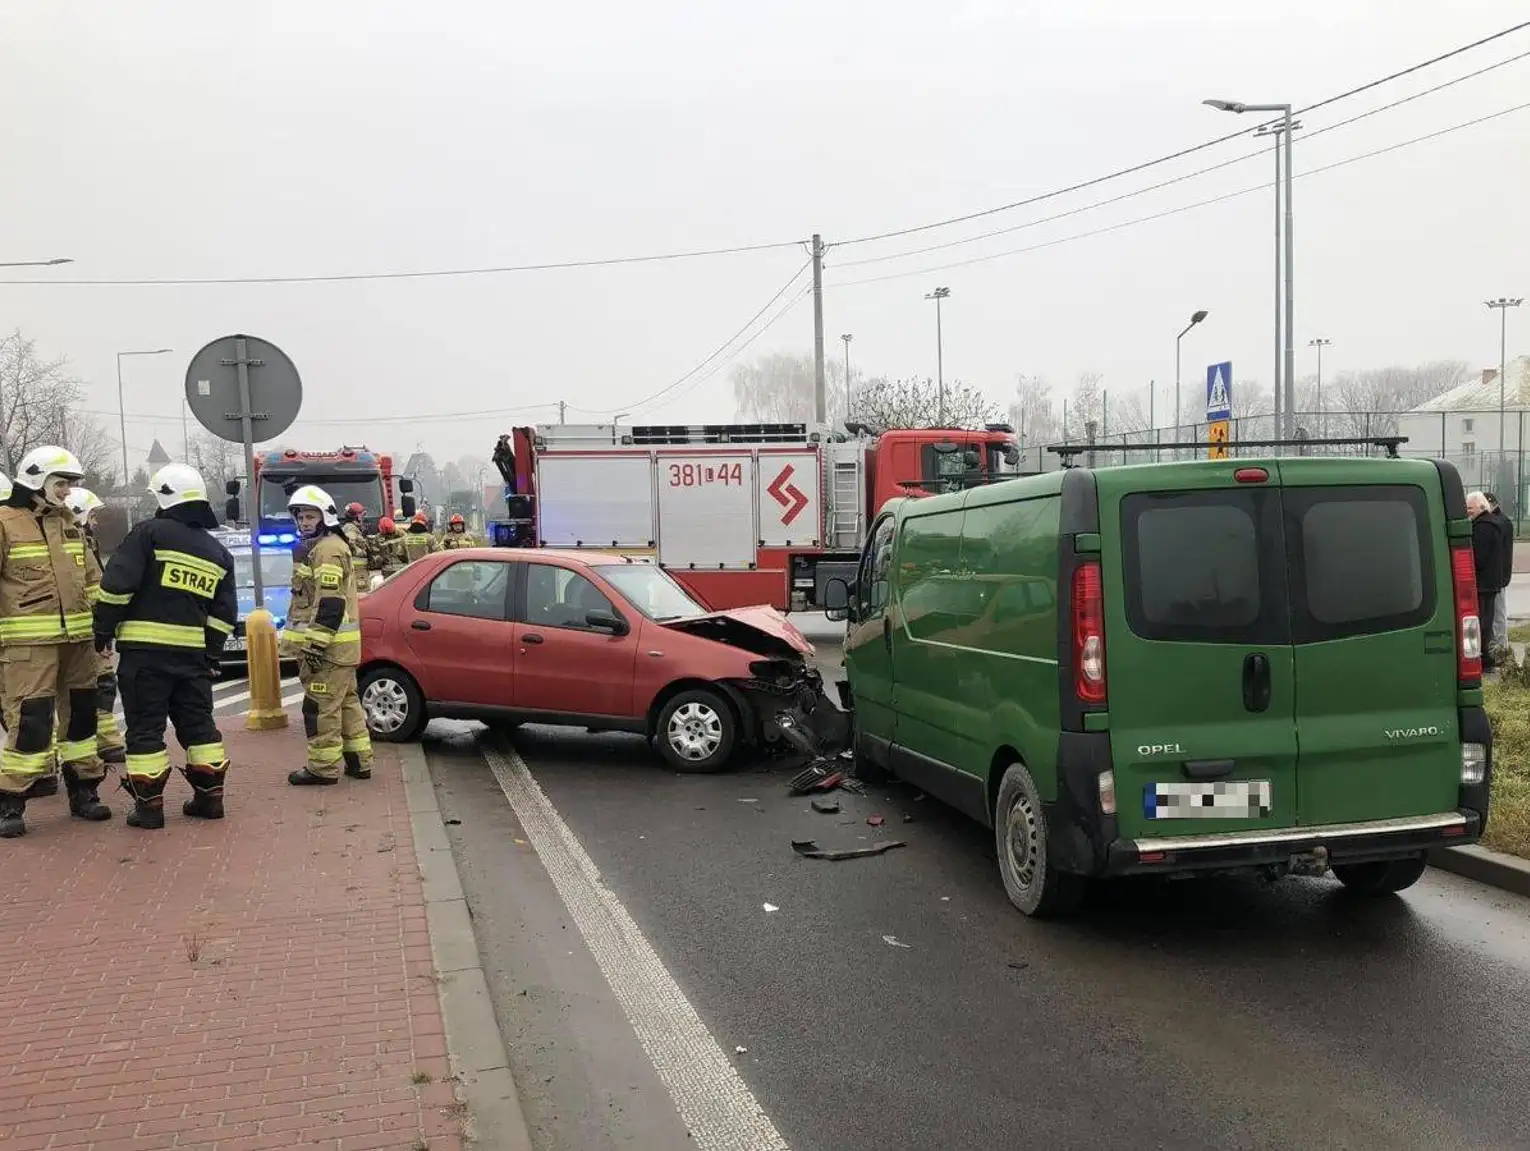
x: 265, y: 671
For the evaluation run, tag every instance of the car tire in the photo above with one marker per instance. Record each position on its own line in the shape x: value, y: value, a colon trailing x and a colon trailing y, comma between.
x: 696, y: 731
x: 394, y: 707
x: 1382, y: 877
x: 1033, y: 885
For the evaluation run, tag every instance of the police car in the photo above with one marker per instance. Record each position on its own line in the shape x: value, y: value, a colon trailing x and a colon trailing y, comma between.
x: 275, y: 575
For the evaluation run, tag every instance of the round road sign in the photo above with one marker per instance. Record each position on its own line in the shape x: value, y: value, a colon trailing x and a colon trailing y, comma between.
x: 275, y: 392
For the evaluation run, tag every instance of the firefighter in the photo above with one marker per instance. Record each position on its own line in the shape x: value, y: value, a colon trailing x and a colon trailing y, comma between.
x: 109, y: 746
x: 419, y: 540
x: 168, y: 602
x: 46, y: 577
x: 457, y: 535
x: 324, y: 633
x: 356, y: 537
x: 388, y: 555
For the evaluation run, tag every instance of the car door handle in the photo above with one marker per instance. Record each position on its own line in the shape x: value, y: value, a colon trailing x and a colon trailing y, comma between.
x: 1256, y: 681
x: 531, y: 638
x: 421, y: 625
x: 1207, y: 768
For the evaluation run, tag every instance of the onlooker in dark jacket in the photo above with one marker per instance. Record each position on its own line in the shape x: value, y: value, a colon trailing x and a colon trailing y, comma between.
x: 1501, y: 604
x: 1487, y: 552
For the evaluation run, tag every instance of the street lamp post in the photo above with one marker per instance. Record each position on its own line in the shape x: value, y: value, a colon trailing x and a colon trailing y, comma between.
x: 938, y: 295
x: 847, y: 337
x: 1290, y: 345
x: 1503, y: 304
x: 1195, y: 318
x: 1320, y: 343
x: 122, y: 407
x: 36, y: 263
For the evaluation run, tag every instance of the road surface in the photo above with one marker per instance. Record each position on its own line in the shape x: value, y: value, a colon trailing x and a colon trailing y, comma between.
x: 655, y: 947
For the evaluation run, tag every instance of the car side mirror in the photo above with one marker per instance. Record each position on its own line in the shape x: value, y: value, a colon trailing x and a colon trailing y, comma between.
x: 231, y: 508
x: 602, y: 620
x: 405, y: 485
x: 836, y: 600
x: 408, y: 506
x: 1012, y: 456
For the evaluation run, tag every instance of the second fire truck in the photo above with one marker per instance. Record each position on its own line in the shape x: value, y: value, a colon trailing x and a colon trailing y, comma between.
x: 741, y: 514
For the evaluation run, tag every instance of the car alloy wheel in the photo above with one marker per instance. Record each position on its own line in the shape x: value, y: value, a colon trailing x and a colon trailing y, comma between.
x: 695, y: 731
x: 386, y: 704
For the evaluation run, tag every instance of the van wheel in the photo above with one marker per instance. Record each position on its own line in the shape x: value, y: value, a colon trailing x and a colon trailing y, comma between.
x: 696, y: 731
x: 394, y: 707
x: 1020, y: 837
x: 1383, y: 877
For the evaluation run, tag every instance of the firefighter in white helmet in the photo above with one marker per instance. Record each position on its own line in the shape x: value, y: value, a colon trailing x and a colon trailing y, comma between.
x: 47, y: 577
x: 168, y: 601
x: 85, y: 505
x: 323, y: 630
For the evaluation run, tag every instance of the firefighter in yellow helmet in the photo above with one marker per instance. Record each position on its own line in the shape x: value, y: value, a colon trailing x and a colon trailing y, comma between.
x: 457, y: 535
x: 419, y: 540
x: 169, y: 600
x: 324, y: 633
x: 85, y: 504
x: 46, y: 578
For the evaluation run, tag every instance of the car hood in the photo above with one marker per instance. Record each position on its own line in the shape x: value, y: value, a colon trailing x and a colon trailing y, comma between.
x: 762, y: 630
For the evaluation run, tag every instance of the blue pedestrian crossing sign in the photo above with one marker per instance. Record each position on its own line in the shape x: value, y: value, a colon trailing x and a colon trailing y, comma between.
x: 1219, y: 392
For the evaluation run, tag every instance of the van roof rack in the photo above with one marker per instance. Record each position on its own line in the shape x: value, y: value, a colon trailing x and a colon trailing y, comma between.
x: 957, y: 483
x: 1390, y: 444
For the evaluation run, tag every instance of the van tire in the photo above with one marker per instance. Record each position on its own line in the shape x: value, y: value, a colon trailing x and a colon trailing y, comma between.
x: 1033, y: 885
x: 1382, y: 877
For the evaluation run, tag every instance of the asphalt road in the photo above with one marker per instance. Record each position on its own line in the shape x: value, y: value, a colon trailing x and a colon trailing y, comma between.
x: 1215, y: 1013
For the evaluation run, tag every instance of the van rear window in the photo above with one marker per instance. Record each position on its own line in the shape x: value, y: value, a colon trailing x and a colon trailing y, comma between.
x: 1204, y: 566
x: 1360, y: 560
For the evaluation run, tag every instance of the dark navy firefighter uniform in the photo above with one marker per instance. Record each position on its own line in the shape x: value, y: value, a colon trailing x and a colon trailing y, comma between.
x: 168, y: 600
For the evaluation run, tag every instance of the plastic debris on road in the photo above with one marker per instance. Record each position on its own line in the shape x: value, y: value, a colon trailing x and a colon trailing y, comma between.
x: 809, y: 849
x: 769, y: 907
x: 875, y: 820
x: 826, y: 806
x: 894, y: 941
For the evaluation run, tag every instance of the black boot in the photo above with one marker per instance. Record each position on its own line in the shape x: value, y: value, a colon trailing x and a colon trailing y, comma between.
x: 354, y: 768
x: 302, y: 777
x: 84, y: 803
x: 43, y: 786
x: 206, y: 800
x: 148, y: 802
x: 13, y: 806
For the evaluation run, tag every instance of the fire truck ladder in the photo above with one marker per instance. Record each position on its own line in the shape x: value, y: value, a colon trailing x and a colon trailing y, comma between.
x: 846, y: 499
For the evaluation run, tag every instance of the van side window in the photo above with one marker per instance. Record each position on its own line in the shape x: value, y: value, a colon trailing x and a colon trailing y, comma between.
x: 1360, y: 560
x: 1205, y: 567
x: 936, y: 591
x: 1010, y: 550
x: 872, y: 584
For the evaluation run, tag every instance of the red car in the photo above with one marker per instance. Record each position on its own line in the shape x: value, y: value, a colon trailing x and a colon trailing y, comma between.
x: 584, y: 639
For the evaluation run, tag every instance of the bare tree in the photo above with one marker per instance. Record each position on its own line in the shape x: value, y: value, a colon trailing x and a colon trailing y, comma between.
x: 1366, y: 403
x: 217, y: 459
x: 916, y: 403
x: 1033, y: 413
x: 777, y: 388
x: 39, y: 401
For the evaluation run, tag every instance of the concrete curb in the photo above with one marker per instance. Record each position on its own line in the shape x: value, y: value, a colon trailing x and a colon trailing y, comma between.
x: 1494, y: 868
x: 473, y: 1041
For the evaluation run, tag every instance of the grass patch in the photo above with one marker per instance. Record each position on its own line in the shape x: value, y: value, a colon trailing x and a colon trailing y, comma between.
x: 1508, y: 707
x: 1519, y: 632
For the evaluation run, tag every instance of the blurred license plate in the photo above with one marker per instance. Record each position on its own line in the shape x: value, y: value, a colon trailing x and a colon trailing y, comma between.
x: 1213, y: 799
x: 235, y: 643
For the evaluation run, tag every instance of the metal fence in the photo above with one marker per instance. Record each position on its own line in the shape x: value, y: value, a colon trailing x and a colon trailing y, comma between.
x: 1467, y: 438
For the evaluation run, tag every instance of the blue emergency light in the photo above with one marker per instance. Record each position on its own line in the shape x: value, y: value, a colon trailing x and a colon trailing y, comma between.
x: 283, y: 538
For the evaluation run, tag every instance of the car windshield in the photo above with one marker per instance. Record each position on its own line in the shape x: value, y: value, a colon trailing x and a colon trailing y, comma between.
x: 651, y: 591
x: 364, y: 490
x: 275, y: 567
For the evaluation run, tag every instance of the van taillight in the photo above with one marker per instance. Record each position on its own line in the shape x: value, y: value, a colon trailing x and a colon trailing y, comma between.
x: 1463, y: 575
x: 1088, y: 633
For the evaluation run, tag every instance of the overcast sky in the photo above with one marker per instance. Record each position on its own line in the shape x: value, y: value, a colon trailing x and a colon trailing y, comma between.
x: 182, y: 139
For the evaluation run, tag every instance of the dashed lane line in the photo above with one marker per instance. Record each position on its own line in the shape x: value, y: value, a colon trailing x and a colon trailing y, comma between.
x: 720, y: 1111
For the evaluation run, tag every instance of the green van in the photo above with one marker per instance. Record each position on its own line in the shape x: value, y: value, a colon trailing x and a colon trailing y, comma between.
x: 1181, y: 667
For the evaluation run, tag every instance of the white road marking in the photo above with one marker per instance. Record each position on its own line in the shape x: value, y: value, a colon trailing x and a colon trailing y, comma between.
x: 717, y: 1107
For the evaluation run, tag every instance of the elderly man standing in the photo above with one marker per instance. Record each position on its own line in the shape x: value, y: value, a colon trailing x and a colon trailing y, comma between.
x: 1487, y: 556
x: 1501, y: 605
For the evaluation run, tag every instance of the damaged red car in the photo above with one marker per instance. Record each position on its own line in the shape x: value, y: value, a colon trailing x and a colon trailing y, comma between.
x: 585, y: 639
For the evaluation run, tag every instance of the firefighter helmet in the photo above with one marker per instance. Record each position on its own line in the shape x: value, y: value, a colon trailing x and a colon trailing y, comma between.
x: 83, y: 501
x: 420, y: 518
x: 354, y: 510
x: 313, y: 496
x: 49, y: 462
x: 386, y: 526
x: 176, y: 484
x: 456, y: 521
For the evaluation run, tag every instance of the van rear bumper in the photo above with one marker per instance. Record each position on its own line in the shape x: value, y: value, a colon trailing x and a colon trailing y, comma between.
x: 1344, y: 843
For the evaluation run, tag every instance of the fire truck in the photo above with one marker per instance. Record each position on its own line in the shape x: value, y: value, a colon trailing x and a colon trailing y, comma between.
x: 349, y: 475
x: 741, y: 514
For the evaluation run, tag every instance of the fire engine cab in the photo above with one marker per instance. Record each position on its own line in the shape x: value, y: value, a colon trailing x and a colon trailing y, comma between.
x: 740, y: 514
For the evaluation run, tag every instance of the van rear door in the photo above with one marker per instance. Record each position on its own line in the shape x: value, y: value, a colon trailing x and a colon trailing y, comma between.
x: 1198, y: 649
x: 1373, y: 621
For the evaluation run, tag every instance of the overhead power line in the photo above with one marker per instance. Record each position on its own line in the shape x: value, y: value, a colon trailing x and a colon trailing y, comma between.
x: 1183, y: 152
x: 1182, y: 208
x: 1306, y: 135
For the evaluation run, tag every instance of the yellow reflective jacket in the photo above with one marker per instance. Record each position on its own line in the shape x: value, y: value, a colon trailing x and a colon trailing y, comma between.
x: 49, y: 578
x: 322, y: 618
x: 419, y: 543
x: 387, y: 553
x: 357, y: 540
x: 451, y: 541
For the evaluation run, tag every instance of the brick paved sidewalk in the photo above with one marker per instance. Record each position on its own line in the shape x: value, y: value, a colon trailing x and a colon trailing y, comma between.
x: 260, y: 982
